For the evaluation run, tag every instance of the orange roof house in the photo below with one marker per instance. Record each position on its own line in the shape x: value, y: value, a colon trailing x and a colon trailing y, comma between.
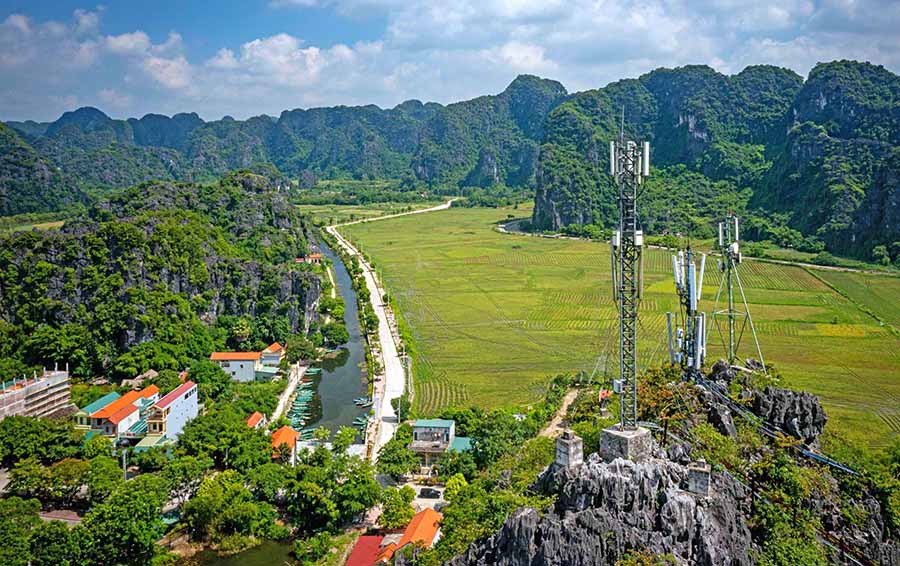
x: 273, y: 354
x: 285, y: 436
x: 235, y: 356
x: 273, y: 348
x: 122, y: 413
x: 424, y: 529
x: 125, y: 401
x: 255, y: 420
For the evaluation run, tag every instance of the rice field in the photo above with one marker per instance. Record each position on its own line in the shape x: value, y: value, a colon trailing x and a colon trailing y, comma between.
x: 336, y: 213
x: 495, y: 315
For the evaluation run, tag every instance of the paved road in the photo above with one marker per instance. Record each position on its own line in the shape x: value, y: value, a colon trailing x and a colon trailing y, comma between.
x: 297, y: 372
x: 389, y: 384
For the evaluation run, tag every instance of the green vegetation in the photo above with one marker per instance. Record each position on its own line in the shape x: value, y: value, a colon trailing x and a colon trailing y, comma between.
x: 327, y: 214
x: 806, y: 165
x: 527, y: 307
x: 156, y: 276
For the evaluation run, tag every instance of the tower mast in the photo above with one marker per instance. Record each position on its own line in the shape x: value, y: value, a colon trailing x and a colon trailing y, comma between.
x: 629, y: 164
x: 736, y: 320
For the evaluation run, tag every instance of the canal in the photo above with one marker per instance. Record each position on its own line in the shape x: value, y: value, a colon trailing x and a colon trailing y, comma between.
x: 343, y: 379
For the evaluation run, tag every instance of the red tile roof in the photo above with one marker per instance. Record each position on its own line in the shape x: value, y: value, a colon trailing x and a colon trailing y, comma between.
x: 365, y: 551
x: 124, y: 401
x: 175, y: 394
x: 254, y: 419
x: 273, y: 347
x: 284, y: 435
x: 238, y: 356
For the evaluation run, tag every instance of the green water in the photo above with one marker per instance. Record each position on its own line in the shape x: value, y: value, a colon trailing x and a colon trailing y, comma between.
x: 268, y: 553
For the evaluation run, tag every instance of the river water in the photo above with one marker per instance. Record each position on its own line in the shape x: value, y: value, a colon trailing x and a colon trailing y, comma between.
x: 342, y: 380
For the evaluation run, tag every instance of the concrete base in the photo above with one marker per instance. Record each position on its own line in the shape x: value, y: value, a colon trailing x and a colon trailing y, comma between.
x: 635, y: 445
x: 698, y: 478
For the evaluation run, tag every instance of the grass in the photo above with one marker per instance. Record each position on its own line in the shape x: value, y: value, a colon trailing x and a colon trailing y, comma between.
x: 494, y: 316
x: 338, y: 213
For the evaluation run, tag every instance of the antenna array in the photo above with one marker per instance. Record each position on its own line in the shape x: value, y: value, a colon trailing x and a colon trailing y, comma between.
x: 687, y: 327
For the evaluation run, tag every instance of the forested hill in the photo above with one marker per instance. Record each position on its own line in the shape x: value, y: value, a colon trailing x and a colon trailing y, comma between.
x: 484, y: 141
x: 810, y: 164
x: 28, y: 181
x: 157, y: 276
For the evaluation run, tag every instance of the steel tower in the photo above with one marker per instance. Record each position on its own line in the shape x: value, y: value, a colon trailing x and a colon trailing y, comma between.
x: 629, y: 164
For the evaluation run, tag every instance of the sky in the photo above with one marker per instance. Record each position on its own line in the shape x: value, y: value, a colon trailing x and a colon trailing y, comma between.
x: 249, y: 57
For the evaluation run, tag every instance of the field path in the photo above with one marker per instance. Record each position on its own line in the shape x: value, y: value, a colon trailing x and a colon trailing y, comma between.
x: 389, y: 384
x: 554, y: 427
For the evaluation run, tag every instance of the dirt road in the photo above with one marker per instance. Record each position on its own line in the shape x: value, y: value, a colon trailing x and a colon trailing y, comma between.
x: 554, y: 428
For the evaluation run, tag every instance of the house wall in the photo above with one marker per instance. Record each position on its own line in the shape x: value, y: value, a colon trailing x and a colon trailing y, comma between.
x: 244, y: 370
x: 271, y: 359
x: 181, y: 412
x: 434, y: 434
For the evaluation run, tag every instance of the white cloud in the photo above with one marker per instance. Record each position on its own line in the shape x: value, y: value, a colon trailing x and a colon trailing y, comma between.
x: 171, y: 73
x: 173, y: 44
x: 133, y: 43
x: 87, y: 22
x: 224, y: 59
x: 431, y: 51
x: 114, y: 98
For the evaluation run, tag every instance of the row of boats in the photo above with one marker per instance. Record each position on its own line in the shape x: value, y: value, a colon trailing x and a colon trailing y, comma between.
x: 300, y: 412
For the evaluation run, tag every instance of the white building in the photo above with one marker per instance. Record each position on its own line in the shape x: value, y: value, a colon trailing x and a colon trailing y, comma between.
x: 168, y: 416
x: 272, y: 355
x: 241, y: 366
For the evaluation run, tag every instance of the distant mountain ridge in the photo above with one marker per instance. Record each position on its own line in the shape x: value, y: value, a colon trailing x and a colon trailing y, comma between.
x: 820, y: 156
x: 487, y: 140
x: 812, y: 163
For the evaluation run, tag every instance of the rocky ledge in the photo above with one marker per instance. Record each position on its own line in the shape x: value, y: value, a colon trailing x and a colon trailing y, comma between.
x: 604, y: 510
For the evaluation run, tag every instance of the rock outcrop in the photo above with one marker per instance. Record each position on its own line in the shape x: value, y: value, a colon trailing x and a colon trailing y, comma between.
x: 800, y: 414
x: 603, y: 510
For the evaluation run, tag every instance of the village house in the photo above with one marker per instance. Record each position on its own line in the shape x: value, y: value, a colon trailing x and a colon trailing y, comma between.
x: 424, y: 530
x: 257, y: 420
x: 138, y: 381
x: 432, y: 438
x: 168, y: 416
x: 241, y: 366
x: 272, y: 355
x: 116, y: 419
x: 314, y: 258
x: 82, y: 417
x: 284, y: 444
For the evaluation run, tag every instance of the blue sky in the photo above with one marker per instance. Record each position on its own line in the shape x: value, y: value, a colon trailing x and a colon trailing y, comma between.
x: 245, y: 58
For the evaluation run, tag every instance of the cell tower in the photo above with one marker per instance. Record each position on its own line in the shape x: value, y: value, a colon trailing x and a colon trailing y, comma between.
x: 687, y: 327
x: 735, y: 321
x: 629, y: 164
